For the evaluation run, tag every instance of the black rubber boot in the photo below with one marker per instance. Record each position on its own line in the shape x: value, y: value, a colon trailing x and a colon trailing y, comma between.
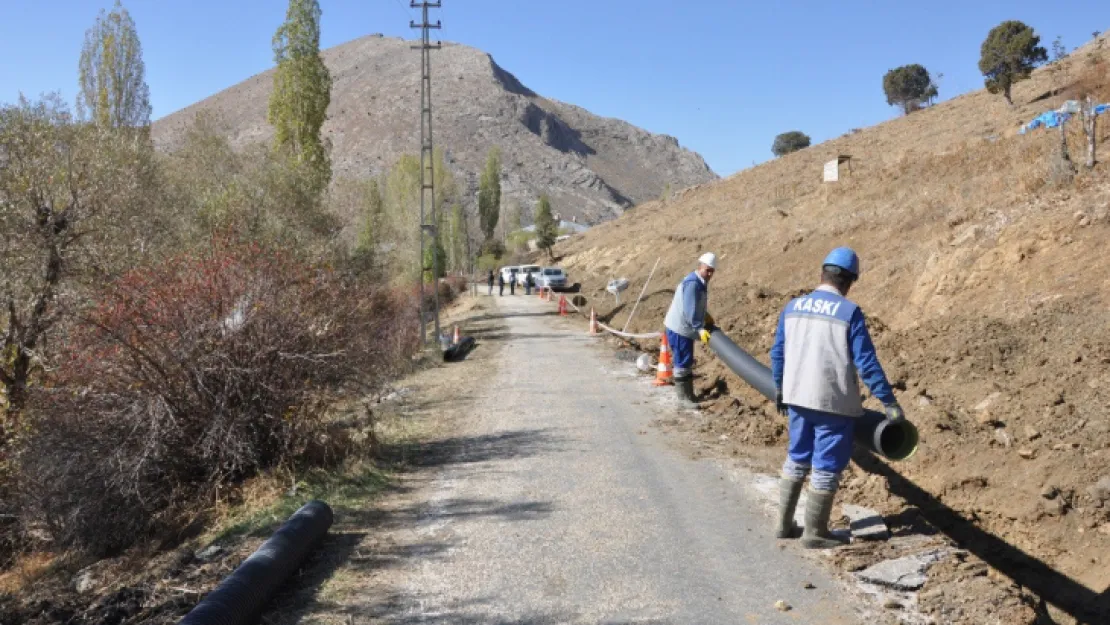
x: 818, y: 510
x: 685, y: 388
x: 789, y: 492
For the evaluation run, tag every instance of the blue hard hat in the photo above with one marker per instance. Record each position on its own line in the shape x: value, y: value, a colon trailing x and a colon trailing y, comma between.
x: 844, y: 258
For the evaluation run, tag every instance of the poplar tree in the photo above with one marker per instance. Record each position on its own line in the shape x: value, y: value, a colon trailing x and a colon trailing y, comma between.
x: 113, y: 90
x: 459, y: 236
x: 489, y: 194
x: 302, y: 90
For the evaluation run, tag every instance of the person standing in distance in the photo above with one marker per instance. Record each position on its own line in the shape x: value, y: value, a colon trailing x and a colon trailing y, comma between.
x: 688, y: 320
x: 821, y: 345
x: 489, y: 281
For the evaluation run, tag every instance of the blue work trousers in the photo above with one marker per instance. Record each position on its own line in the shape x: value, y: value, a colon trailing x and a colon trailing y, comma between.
x: 682, y: 353
x: 820, y: 439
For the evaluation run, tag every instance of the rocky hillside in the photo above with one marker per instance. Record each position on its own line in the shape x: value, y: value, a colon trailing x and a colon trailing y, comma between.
x: 987, y: 287
x: 593, y: 168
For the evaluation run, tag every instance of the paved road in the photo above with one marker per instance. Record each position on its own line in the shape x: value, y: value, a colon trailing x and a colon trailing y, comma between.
x: 563, y: 505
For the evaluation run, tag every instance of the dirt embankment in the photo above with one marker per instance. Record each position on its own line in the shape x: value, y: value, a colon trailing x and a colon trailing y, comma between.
x: 986, y: 285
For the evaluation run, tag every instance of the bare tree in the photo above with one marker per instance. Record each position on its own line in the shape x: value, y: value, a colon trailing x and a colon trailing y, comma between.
x: 67, y: 194
x: 1090, y: 121
x: 1064, y: 157
x: 1057, y: 68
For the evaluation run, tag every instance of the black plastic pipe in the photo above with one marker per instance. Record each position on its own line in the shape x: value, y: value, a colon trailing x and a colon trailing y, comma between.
x: 459, y: 350
x: 240, y: 598
x: 742, y: 363
x: 895, y: 441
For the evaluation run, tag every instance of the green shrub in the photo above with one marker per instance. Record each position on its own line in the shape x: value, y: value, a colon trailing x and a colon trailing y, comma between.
x: 788, y: 142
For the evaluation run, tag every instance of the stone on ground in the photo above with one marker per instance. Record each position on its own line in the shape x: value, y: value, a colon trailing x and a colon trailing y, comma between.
x: 865, y: 523
x: 906, y: 573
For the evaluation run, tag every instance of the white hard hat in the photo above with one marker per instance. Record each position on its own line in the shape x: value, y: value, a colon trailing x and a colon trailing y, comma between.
x: 708, y: 259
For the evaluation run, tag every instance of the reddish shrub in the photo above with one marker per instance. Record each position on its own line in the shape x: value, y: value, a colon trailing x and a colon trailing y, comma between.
x: 196, y: 373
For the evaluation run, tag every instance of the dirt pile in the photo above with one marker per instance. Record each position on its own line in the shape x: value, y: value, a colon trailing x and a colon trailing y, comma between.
x: 986, y: 286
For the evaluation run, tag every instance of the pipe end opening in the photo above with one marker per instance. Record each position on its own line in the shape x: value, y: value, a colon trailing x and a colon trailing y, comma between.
x: 897, y: 441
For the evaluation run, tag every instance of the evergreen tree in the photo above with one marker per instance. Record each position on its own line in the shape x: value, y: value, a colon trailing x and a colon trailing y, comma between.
x: 788, y: 142
x: 113, y: 93
x: 1008, y: 55
x: 909, y: 87
x: 489, y: 194
x: 546, y: 228
x: 302, y: 90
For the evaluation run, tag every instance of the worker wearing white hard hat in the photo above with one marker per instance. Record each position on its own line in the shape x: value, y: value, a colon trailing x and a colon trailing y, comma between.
x: 688, y: 320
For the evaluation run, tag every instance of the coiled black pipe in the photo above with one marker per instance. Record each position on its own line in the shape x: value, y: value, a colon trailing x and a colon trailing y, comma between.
x: 240, y: 598
x: 896, y: 441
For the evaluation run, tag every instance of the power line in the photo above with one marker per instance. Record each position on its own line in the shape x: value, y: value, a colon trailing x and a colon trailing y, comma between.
x: 427, y: 161
x: 405, y: 9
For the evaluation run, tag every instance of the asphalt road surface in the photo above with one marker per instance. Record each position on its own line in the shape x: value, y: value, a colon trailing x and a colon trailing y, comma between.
x: 562, y: 504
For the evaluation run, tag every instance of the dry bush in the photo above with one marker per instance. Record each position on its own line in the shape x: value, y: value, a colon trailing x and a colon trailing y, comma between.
x: 192, y: 374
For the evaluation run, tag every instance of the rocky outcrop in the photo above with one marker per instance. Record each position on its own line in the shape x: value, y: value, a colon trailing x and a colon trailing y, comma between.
x: 593, y: 168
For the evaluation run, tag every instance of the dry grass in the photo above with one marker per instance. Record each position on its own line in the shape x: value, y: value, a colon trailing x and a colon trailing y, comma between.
x: 971, y: 244
x: 917, y: 183
x: 25, y: 571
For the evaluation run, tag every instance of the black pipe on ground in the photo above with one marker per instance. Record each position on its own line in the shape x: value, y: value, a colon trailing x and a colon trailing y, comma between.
x: 895, y: 441
x: 240, y: 598
x: 459, y: 350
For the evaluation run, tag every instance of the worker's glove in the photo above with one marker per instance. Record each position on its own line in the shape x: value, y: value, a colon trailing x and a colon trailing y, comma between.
x: 704, y: 334
x: 779, y: 404
x: 709, y: 321
x: 894, y: 413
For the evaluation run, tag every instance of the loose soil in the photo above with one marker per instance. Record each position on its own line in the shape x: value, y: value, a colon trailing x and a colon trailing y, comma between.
x: 986, y: 287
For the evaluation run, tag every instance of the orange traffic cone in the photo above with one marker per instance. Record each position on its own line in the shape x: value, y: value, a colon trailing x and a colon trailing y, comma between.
x: 594, y: 329
x: 457, y: 337
x: 563, y: 305
x: 665, y: 372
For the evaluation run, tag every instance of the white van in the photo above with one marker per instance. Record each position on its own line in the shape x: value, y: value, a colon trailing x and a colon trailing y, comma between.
x: 508, y: 273
x: 524, y: 270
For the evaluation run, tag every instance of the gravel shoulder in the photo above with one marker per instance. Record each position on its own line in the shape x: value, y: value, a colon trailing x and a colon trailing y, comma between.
x: 542, y: 494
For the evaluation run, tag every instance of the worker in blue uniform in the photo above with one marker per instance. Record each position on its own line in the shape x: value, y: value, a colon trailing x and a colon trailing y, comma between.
x: 821, y: 345
x: 688, y: 320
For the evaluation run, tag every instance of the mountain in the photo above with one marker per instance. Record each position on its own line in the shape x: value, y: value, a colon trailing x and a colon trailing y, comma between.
x: 592, y: 167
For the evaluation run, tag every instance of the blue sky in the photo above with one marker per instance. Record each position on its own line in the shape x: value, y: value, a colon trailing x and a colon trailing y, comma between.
x: 724, y: 78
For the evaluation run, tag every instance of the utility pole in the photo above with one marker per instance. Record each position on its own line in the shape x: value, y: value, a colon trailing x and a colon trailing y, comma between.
x: 429, y: 225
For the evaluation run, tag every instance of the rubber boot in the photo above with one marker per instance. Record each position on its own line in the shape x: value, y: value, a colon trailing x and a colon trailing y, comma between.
x: 685, y: 388
x: 789, y: 492
x: 818, y: 510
